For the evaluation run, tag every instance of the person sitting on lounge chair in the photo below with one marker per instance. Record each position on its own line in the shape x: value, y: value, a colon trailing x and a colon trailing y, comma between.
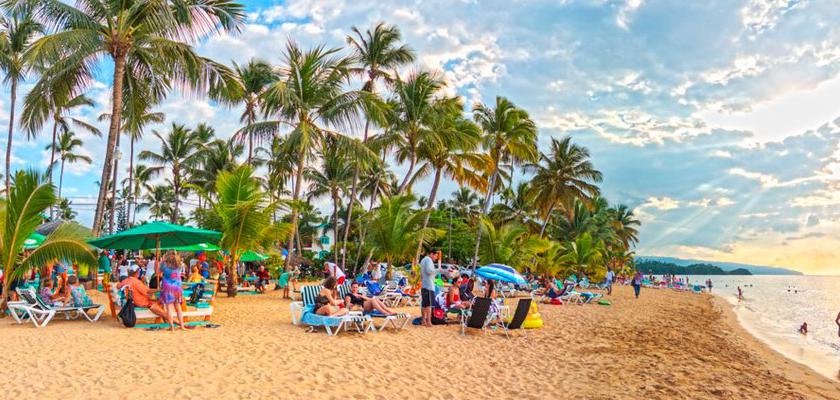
x: 78, y: 296
x: 453, y: 297
x: 48, y: 295
x: 368, y: 304
x: 195, y: 276
x: 140, y: 293
x: 330, y: 291
x: 263, y: 278
x: 465, y: 288
x: 553, y: 291
x: 323, y: 307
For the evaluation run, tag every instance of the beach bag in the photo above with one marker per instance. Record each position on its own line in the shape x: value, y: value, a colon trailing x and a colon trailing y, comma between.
x: 438, y: 316
x: 127, y: 314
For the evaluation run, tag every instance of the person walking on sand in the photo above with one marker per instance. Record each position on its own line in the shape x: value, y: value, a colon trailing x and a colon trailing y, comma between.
x: 428, y: 271
x: 608, y: 280
x: 637, y: 283
x: 740, y: 294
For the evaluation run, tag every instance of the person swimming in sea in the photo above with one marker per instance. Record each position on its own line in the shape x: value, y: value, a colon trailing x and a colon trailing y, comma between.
x: 804, y: 328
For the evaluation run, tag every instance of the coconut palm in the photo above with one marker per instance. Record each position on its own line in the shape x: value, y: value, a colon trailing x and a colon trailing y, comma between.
x: 412, y: 108
x: 564, y: 172
x: 214, y: 158
x: 178, y: 151
x: 329, y: 179
x: 464, y: 202
x: 37, y: 111
x: 65, y: 148
x: 20, y: 213
x: 139, y: 179
x: 253, y: 79
x: 148, y: 44
x: 158, y: 200
x: 625, y: 225
x: 311, y: 98
x: 446, y: 150
x: 393, y: 229
x: 510, y: 138
x: 584, y: 254
x: 517, y: 205
x: 376, y: 52
x: 65, y: 210
x: 511, y: 244
x: 244, y: 217
x: 18, y: 30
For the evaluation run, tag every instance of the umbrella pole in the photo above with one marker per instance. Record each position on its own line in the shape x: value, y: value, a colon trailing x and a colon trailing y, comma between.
x: 157, y: 262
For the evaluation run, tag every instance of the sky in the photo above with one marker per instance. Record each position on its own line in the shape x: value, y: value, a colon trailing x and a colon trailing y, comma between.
x: 718, y: 121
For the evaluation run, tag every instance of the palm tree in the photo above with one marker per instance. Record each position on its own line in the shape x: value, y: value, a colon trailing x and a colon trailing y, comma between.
x: 411, y: 110
x: 27, y: 200
x: 583, y: 254
x: 329, y: 180
x: 375, y: 52
x: 65, y: 210
x: 158, y: 200
x: 136, y: 117
x: 148, y: 44
x: 38, y: 110
x: 625, y: 225
x: 510, y: 137
x: 464, y: 202
x: 253, y: 79
x: 310, y: 98
x: 244, y: 217
x: 394, y: 228
x: 65, y: 147
x: 215, y: 158
x: 18, y: 28
x: 178, y: 151
x: 511, y: 244
x: 565, y: 172
x: 516, y: 206
x: 139, y: 179
x: 447, y: 150
x: 279, y: 161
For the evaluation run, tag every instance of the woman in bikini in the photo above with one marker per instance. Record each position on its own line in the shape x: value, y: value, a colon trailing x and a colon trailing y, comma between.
x: 368, y: 304
x: 323, y: 307
x: 330, y: 291
x: 453, y: 297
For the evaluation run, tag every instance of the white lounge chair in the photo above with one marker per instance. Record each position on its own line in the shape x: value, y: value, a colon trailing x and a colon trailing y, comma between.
x: 41, y: 313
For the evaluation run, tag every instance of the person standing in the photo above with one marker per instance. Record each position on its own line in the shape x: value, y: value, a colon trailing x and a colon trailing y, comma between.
x: 428, y: 271
x: 709, y: 284
x: 608, y: 279
x: 637, y: 283
x: 105, y: 266
x: 838, y: 324
x: 171, y: 292
x: 740, y: 294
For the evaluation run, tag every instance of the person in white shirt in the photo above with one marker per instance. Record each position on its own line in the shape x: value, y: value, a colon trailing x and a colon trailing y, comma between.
x: 333, y: 270
x: 428, y: 272
x: 150, y: 270
x: 608, y: 280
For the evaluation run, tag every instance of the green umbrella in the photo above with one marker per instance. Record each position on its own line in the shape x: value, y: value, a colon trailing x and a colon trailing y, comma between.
x: 156, y: 235
x: 34, y: 240
x: 252, y: 256
x: 195, y: 247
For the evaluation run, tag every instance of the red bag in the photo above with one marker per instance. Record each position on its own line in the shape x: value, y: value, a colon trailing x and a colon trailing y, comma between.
x: 556, y: 302
x: 438, y: 313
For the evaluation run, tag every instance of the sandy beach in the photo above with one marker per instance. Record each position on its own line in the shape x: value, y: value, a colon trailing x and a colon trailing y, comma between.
x: 665, y: 345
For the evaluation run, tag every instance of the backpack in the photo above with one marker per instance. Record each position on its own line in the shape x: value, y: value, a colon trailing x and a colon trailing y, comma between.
x: 127, y: 314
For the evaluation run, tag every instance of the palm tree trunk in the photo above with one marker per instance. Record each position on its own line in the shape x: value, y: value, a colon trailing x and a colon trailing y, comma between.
x: 485, y: 207
x: 176, y: 186
x: 335, y: 230
x: 429, y: 207
x: 52, y: 158
x: 352, y: 201
x: 295, y: 195
x: 113, y: 133
x: 9, y: 139
x: 130, y: 181
x: 61, y: 179
x: 114, y: 191
x: 547, y: 217
x: 250, y: 141
x: 411, y: 164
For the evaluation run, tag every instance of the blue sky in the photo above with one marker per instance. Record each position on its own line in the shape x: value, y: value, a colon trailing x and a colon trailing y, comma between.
x: 717, y: 121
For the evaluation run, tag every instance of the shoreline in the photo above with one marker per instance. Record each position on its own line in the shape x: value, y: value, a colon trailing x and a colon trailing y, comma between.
x: 664, y: 345
x: 796, y: 370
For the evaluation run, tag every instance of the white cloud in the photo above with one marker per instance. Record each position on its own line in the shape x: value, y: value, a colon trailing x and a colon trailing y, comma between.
x: 626, y: 11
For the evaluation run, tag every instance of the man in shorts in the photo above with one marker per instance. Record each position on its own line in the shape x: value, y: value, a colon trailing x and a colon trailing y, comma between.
x: 428, y: 272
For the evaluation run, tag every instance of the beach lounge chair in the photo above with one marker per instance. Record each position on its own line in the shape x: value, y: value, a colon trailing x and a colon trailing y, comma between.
x: 41, y: 313
x: 519, y: 316
x: 480, y: 316
x: 304, y: 314
x: 569, y: 294
x: 29, y: 309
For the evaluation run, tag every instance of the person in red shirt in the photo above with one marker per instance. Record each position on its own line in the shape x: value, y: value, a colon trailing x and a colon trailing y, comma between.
x: 263, y: 277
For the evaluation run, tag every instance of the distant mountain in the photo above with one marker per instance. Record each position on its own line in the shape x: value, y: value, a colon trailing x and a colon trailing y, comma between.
x: 667, y: 268
x: 727, y: 266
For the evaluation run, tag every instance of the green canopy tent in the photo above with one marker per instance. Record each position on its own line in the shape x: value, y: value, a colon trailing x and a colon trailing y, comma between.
x: 252, y: 256
x: 33, y: 241
x: 156, y: 235
x: 195, y: 247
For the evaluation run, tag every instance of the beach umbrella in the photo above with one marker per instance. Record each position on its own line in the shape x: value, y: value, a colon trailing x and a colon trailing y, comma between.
x: 252, y: 256
x: 155, y: 235
x: 195, y: 247
x: 500, y: 272
x: 34, y: 240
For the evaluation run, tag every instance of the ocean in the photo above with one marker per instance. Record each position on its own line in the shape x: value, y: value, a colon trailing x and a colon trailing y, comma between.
x: 774, y: 307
